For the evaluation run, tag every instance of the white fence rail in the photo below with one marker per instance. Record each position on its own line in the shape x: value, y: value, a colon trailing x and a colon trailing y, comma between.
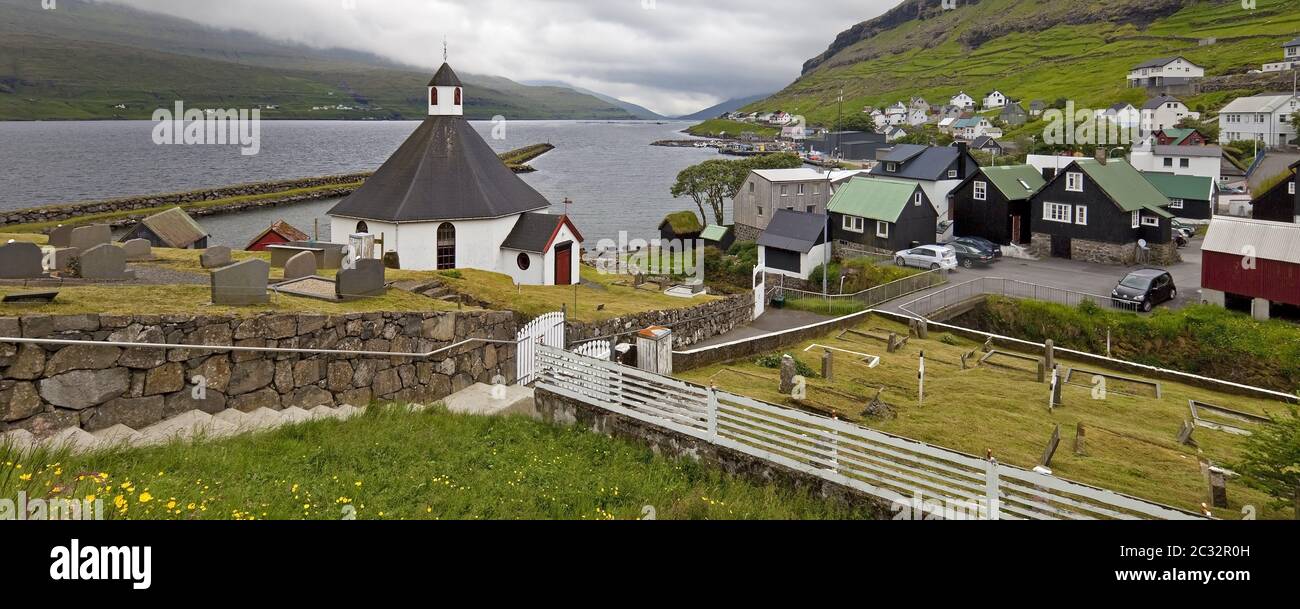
x: 930, y: 304
x: 547, y: 330
x: 889, y: 467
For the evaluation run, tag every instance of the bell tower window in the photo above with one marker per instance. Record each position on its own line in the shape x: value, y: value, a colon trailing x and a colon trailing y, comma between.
x: 433, y: 96
x: 446, y: 247
x: 458, y: 101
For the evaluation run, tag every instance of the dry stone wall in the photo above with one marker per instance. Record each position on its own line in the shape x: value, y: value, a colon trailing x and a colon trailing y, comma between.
x: 45, y: 389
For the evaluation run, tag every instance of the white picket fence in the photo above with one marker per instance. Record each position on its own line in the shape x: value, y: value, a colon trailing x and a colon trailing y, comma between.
x: 889, y: 467
x: 596, y: 349
x: 547, y: 330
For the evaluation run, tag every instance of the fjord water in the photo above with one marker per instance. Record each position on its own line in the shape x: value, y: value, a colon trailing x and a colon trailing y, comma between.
x: 617, y: 181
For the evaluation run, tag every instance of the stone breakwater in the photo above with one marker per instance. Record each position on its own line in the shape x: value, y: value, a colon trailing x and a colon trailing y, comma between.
x: 46, y: 389
x: 343, y: 185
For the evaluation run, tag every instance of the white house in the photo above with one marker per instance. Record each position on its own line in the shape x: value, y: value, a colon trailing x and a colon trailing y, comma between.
x: 963, y: 101
x: 1263, y: 118
x: 445, y: 201
x: 794, y: 243
x: 995, y: 100
x: 1203, y: 161
x: 918, y: 117
x: 893, y: 134
x: 1164, y: 112
x: 1164, y: 71
x: 1122, y: 115
x: 1290, y: 58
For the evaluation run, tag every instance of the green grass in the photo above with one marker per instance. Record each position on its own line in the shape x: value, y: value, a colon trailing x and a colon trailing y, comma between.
x: 718, y: 127
x: 1131, y: 442
x: 1086, y: 62
x: 390, y: 465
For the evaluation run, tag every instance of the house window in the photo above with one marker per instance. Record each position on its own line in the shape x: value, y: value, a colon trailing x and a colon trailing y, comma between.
x: 812, y: 209
x: 1184, y: 163
x: 952, y: 174
x: 785, y: 190
x: 882, y: 230
x: 917, y: 199
x: 1081, y: 215
x: 1169, y: 162
x: 1151, y: 221
x: 1290, y: 187
x: 751, y: 187
x: 854, y: 224
x: 1056, y: 212
x: 1137, y: 219
x: 760, y: 211
x: 362, y: 227
x: 524, y: 262
x: 817, y: 189
x: 446, y: 247
x: 1175, y: 203
x: 891, y: 167
x: 1074, y: 182
x: 800, y: 193
x: 981, y: 191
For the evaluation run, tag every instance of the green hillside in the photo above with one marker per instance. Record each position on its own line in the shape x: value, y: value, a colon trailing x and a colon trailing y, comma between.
x: 1079, y: 50
x: 83, y: 59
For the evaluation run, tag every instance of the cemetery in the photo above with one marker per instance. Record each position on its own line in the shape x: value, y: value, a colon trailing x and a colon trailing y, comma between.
x: 1128, y: 433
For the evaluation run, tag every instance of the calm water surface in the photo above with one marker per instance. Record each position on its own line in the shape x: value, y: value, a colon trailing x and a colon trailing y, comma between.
x: 617, y: 181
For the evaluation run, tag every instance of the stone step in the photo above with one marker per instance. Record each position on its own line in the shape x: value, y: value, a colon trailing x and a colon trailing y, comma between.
x: 20, y: 440
x: 486, y: 400
x: 186, y: 427
x: 262, y: 419
x: 117, y: 436
x: 295, y: 415
x: 232, y: 416
x: 74, y: 439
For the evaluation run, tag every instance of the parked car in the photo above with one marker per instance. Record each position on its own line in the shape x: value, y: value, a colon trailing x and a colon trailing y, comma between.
x: 969, y: 255
x: 981, y: 242
x: 1186, y: 231
x: 933, y: 257
x: 1145, y: 289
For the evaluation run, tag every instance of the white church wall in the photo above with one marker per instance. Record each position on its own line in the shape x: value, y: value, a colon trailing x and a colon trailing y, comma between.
x: 534, y: 275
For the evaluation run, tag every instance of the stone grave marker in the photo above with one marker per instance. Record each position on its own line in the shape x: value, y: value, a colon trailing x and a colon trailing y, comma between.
x: 365, y: 280
x: 215, y: 257
x: 1080, y: 440
x: 1052, y: 444
x: 61, y: 236
x: 1218, y: 487
x: 63, y: 258
x: 1185, y: 434
x: 106, y: 261
x: 138, y: 249
x: 86, y: 237
x: 241, y: 284
x: 828, y: 366
x: 788, y: 372
x: 299, y: 266
x: 1049, y: 354
x: 21, y: 261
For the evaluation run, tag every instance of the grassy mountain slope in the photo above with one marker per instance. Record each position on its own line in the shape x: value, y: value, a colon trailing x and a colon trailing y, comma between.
x: 1079, y: 50
x: 83, y: 59
x: 730, y: 105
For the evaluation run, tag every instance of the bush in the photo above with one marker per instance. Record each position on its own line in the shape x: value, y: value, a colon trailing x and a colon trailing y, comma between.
x: 774, y: 362
x: 1271, y: 455
x: 861, y: 274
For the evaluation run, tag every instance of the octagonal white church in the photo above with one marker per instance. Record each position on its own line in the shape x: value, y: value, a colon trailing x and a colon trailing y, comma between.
x: 446, y: 201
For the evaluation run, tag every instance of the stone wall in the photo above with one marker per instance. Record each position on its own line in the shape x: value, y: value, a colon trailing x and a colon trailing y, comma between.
x: 690, y: 325
x: 556, y: 409
x: 44, y: 389
x: 57, y: 213
x: 1120, y: 254
x: 768, y: 343
x: 744, y: 232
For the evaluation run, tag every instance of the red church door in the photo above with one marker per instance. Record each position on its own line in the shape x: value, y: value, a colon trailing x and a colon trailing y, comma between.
x: 564, y: 264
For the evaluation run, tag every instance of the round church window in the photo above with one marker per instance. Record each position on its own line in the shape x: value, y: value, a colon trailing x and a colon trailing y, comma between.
x: 524, y: 262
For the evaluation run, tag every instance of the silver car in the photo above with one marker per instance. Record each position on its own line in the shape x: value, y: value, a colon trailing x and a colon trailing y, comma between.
x: 933, y: 257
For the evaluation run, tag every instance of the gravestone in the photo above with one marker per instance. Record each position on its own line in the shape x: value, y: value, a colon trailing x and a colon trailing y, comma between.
x: 788, y: 372
x: 1058, y: 383
x: 63, y: 258
x: 1080, y: 438
x: 21, y: 261
x: 1052, y: 443
x: 923, y: 329
x: 828, y: 366
x: 1218, y: 487
x: 241, y: 284
x: 138, y: 249
x: 1049, y: 354
x: 893, y: 342
x: 1185, y: 434
x: 365, y: 280
x: 107, y: 262
x: 86, y: 237
x: 301, y: 265
x: 61, y: 236
x: 215, y: 257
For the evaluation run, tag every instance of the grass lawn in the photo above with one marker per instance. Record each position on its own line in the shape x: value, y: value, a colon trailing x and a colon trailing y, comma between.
x: 615, y: 292
x: 390, y: 464
x: 1131, y: 444
x: 718, y: 127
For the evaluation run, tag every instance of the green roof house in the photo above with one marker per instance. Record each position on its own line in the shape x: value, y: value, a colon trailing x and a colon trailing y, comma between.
x: 882, y: 214
x: 1191, y: 197
x: 993, y: 203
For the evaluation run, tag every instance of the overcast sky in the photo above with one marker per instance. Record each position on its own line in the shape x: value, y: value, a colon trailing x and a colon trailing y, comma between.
x: 672, y: 56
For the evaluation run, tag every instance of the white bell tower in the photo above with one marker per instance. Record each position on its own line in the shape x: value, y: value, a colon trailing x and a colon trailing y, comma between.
x: 446, y: 96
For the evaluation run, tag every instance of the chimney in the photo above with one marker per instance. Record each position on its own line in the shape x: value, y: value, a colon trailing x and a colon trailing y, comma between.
x: 1101, y: 155
x: 962, y: 151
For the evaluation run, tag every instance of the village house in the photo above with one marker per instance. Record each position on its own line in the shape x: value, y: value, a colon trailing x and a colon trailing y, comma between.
x: 995, y: 100
x: 1014, y: 114
x: 445, y: 201
x: 1037, y: 107
x: 893, y: 134
x: 963, y: 101
x: 850, y: 145
x: 766, y: 191
x: 681, y: 225
x: 987, y: 144
x: 1204, y: 161
x: 918, y: 117
x: 1290, y: 58
x: 1278, y: 202
x: 993, y: 203
x: 882, y: 214
x: 794, y: 243
x: 938, y: 169
x: 1102, y: 210
x: 1122, y: 115
x: 1165, y: 112
x: 172, y: 228
x: 1251, y: 266
x: 1190, y: 197
x: 721, y: 237
x: 1262, y: 118
x: 1179, y: 137
x: 1166, y: 75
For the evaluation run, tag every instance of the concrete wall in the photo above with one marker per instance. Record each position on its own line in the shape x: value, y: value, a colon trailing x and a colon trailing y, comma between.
x: 46, y: 389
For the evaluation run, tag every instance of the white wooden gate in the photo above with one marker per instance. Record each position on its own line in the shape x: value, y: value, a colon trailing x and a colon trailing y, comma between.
x: 760, y: 291
x: 546, y: 330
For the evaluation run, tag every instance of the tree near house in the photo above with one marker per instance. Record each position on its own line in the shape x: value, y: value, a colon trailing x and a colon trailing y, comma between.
x: 712, y: 182
x: 1271, y: 461
x: 858, y: 122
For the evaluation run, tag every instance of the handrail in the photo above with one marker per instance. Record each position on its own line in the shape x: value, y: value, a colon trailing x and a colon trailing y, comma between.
x: 983, y: 291
x: 234, y: 348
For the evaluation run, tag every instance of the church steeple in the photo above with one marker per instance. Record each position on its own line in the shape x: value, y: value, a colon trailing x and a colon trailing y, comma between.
x: 446, y: 96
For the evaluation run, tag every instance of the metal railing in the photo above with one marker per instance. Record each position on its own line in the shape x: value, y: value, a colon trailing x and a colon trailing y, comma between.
x: 930, y: 304
x: 874, y: 296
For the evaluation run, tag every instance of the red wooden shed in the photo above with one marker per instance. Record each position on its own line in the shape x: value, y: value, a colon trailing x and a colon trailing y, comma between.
x: 1253, y: 259
x: 280, y: 232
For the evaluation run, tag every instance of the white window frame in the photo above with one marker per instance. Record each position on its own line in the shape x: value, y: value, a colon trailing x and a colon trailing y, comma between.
x: 1064, y: 215
x: 1152, y: 221
x: 1176, y: 204
x: 1074, y: 181
x: 1290, y: 187
x: 882, y: 229
x: 981, y: 191
x: 800, y: 191
x: 760, y: 211
x: 952, y: 174
x: 785, y: 190
x: 918, y: 198
x: 891, y: 167
x: 1137, y: 219
x: 854, y: 224
x: 1081, y: 215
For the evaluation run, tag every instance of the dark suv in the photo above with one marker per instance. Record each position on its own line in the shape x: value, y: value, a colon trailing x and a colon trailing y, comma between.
x: 1145, y: 289
x: 969, y: 255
